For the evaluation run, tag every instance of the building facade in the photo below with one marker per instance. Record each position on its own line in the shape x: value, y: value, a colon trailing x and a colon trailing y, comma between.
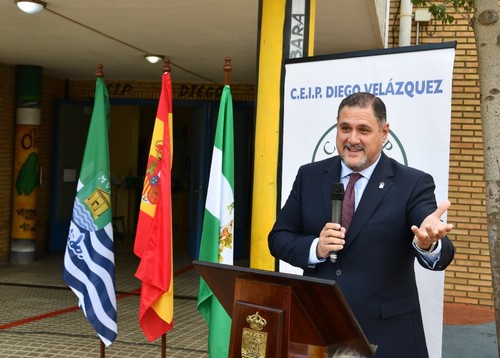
x: 468, y: 279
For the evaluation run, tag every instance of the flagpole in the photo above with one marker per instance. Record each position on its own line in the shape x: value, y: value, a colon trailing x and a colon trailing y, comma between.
x: 166, y: 65
x: 227, y: 70
x: 166, y: 68
x: 164, y: 345
x: 100, y: 74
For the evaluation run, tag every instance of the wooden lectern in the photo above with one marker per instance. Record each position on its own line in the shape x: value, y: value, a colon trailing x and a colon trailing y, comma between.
x: 283, y: 315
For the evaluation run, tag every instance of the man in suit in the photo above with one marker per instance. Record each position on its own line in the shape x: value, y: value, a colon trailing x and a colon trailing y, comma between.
x: 395, y: 221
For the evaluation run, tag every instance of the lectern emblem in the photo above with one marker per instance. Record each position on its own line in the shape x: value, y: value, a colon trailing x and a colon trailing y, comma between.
x: 253, y: 343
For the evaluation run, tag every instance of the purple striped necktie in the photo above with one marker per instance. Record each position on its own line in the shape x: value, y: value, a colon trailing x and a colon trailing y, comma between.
x: 348, y: 203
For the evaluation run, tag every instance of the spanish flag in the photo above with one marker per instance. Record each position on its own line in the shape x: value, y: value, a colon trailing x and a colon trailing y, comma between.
x: 153, y: 241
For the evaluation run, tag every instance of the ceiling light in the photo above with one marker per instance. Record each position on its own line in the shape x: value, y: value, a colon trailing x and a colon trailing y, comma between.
x: 153, y: 58
x: 31, y: 7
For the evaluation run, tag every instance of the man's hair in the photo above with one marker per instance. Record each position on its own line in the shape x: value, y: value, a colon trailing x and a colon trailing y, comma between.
x: 364, y: 100
x: 345, y: 353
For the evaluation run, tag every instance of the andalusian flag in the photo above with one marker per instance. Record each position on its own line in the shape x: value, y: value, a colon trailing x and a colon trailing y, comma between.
x: 217, y: 236
x: 89, y: 261
x: 153, y: 240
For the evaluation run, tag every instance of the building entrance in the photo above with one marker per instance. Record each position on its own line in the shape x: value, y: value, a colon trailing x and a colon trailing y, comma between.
x: 131, y: 127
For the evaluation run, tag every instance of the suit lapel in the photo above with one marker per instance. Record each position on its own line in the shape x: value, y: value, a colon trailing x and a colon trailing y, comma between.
x: 377, y: 187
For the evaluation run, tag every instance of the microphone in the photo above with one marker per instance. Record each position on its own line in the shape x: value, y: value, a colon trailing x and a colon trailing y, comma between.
x: 337, y: 198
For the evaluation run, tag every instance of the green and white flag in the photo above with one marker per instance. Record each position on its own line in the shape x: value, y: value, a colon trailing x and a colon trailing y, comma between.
x: 89, y: 261
x: 218, y: 223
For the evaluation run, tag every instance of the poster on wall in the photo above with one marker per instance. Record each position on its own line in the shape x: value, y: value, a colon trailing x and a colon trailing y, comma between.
x: 415, y: 83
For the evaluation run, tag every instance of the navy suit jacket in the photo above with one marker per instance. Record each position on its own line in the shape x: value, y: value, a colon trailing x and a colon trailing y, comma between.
x: 375, y: 270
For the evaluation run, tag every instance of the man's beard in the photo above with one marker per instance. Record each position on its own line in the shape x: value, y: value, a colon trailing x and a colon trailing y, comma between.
x: 358, y: 166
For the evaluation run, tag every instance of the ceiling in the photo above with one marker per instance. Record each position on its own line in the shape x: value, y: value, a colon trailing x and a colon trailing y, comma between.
x: 70, y: 37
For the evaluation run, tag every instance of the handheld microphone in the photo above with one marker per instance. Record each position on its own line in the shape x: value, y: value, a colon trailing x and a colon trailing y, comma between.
x: 337, y: 198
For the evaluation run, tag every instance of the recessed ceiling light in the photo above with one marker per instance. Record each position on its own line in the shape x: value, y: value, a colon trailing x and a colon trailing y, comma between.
x: 153, y: 58
x: 31, y: 7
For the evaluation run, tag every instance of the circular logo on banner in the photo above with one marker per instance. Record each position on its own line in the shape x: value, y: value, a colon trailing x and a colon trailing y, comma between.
x: 326, y: 146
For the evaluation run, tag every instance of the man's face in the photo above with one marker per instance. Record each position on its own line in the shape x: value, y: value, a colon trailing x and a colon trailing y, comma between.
x: 359, y: 137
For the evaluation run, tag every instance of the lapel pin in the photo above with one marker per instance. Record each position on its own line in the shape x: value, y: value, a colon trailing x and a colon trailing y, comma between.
x: 381, y: 185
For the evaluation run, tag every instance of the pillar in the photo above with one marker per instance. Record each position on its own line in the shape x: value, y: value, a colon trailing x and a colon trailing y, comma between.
x: 286, y: 28
x: 26, y: 164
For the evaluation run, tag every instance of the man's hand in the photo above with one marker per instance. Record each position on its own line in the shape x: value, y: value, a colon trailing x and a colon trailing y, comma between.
x: 331, y: 238
x: 432, y: 228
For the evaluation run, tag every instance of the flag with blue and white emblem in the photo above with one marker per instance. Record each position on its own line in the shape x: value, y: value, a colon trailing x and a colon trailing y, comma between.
x: 89, y: 268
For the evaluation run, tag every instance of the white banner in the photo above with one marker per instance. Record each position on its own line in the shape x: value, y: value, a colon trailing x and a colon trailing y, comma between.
x: 415, y: 83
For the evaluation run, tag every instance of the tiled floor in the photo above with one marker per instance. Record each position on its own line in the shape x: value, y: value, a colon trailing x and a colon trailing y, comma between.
x: 39, y: 317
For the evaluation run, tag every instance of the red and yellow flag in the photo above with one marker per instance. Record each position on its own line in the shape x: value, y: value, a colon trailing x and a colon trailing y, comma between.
x: 153, y: 240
